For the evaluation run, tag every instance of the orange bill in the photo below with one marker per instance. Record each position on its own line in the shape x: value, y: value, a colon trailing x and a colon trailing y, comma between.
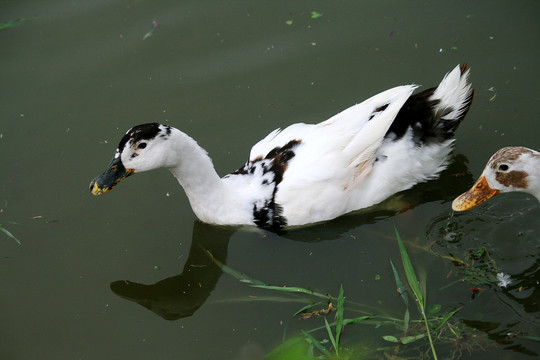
x: 479, y: 193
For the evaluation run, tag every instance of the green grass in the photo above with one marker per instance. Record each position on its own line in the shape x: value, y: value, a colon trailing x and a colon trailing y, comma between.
x: 419, y: 294
x: 409, y: 336
x: 9, y: 234
x: 14, y: 23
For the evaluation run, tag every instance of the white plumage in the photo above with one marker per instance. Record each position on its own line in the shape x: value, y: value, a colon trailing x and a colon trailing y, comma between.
x: 309, y: 173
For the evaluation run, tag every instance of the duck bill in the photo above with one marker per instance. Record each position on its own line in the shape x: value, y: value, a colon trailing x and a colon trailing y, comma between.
x: 114, y: 173
x: 479, y: 193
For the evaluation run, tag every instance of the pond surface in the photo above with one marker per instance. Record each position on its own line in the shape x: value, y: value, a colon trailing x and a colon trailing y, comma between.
x: 124, y: 276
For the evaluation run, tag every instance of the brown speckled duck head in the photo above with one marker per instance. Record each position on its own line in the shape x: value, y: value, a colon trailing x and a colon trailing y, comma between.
x: 510, y: 169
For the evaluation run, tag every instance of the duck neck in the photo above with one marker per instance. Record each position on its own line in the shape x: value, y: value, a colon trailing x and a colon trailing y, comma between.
x: 195, y: 172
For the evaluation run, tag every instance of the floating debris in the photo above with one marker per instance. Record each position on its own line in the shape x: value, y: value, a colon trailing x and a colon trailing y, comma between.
x: 494, y: 91
x: 148, y: 34
x: 155, y: 26
x: 503, y: 280
x: 315, y: 15
x: 329, y: 309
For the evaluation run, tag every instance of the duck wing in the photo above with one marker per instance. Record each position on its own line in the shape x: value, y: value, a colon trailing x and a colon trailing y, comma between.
x: 356, y: 132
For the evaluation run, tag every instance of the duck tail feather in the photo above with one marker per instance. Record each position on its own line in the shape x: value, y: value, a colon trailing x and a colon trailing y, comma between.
x: 454, y: 96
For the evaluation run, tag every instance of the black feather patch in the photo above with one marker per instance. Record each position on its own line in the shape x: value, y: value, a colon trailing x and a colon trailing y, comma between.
x: 416, y: 113
x: 142, y: 132
x: 268, y: 215
x: 376, y: 111
x: 280, y: 157
x: 420, y: 114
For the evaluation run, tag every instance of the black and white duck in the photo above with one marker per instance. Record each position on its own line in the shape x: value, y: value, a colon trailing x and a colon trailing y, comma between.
x: 308, y: 173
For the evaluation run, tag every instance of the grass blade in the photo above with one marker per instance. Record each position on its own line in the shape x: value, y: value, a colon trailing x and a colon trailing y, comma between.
x: 305, y: 308
x: 403, y: 293
x: 445, y: 319
x: 292, y: 289
x: 316, y: 343
x: 390, y: 338
x: 8, y: 233
x: 409, y: 272
x: 14, y: 23
x: 534, y: 338
x: 331, y: 336
x: 401, y: 287
x: 356, y: 320
x: 339, y: 314
x: 240, y: 276
x: 415, y: 286
x: 410, y: 339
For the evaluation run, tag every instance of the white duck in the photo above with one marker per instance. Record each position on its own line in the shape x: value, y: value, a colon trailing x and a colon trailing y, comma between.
x: 509, y: 169
x: 309, y: 173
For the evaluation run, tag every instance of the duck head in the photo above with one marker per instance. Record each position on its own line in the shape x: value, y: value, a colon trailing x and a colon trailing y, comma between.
x: 509, y: 169
x: 141, y: 149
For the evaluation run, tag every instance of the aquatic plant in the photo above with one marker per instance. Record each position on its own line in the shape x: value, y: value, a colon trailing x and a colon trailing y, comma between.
x: 407, y: 337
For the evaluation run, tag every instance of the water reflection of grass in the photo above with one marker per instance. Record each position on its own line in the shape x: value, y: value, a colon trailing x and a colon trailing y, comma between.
x: 400, y: 338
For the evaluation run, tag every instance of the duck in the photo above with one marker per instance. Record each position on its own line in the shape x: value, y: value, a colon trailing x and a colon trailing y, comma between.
x: 309, y: 173
x: 513, y: 168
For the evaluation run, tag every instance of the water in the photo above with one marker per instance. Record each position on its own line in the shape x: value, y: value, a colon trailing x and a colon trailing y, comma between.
x: 78, y: 74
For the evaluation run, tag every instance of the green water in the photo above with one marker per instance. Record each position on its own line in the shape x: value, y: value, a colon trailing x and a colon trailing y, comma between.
x: 78, y: 74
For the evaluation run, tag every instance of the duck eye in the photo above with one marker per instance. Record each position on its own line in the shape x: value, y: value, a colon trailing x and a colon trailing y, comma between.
x: 141, y: 145
x: 503, y: 167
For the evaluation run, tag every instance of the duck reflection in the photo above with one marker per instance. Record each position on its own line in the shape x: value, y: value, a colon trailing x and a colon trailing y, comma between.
x: 180, y: 296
